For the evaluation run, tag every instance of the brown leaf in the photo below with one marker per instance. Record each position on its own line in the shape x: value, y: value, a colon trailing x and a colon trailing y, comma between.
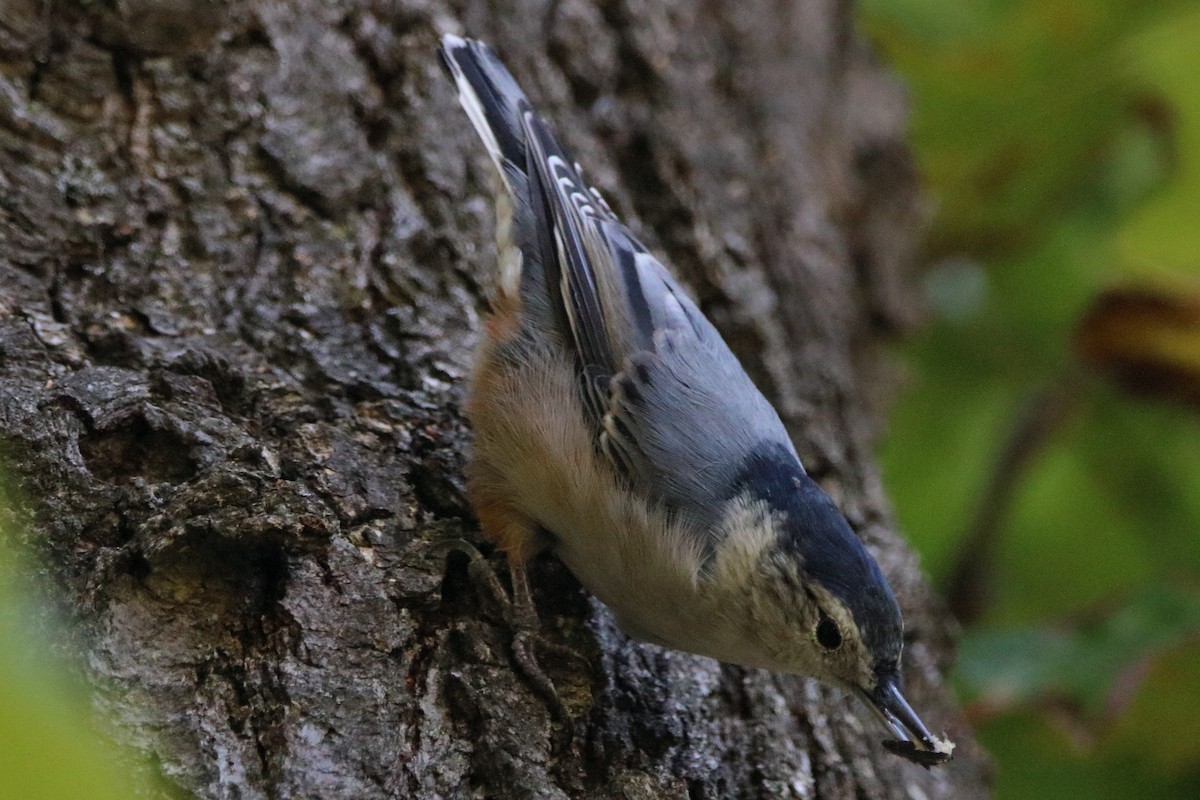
x: 1147, y: 339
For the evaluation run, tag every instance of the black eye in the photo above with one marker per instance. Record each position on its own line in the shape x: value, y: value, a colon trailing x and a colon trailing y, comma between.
x: 829, y: 635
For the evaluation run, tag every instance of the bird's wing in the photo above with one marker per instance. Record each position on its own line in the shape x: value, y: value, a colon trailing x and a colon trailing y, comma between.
x: 668, y: 403
x: 675, y: 412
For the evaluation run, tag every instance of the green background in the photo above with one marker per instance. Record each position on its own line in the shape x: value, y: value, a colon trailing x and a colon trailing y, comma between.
x: 50, y: 748
x: 1059, y: 146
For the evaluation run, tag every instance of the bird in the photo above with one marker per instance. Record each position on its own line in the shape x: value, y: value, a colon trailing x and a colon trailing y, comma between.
x: 614, y: 427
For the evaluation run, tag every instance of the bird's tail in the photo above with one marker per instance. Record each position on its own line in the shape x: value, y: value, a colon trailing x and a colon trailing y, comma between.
x: 529, y: 277
x: 491, y: 97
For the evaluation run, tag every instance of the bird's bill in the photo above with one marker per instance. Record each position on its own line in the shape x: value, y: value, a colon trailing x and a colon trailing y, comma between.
x: 912, y: 739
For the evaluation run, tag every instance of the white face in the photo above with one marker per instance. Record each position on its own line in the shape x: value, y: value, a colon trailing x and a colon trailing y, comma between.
x: 827, y: 627
x: 764, y: 625
x: 750, y: 607
x: 811, y: 632
x: 736, y: 604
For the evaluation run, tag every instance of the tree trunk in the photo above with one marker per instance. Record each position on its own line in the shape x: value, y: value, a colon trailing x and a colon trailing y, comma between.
x: 244, y: 250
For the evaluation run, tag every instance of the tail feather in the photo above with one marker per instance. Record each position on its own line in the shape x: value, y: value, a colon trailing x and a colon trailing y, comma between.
x: 492, y: 99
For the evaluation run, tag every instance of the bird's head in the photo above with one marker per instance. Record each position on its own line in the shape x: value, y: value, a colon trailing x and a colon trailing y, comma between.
x: 821, y: 606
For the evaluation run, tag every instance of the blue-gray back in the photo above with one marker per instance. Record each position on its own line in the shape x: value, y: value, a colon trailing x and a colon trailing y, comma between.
x: 670, y: 405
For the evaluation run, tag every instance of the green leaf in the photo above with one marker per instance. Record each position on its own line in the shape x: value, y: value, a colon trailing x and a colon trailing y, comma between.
x: 50, y: 748
x: 1077, y: 663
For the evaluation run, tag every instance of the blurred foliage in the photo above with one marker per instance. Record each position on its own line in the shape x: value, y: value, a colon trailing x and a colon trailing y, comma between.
x: 1080, y: 665
x: 1060, y: 146
x: 48, y: 748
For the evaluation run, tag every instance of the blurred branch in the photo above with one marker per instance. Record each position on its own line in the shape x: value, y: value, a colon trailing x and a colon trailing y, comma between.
x: 1146, y: 339
x: 969, y: 587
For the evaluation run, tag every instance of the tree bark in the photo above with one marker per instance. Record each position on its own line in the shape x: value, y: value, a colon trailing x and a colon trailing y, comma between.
x: 244, y: 251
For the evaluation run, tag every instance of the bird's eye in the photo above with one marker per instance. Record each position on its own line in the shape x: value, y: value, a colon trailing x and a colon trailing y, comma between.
x: 829, y: 635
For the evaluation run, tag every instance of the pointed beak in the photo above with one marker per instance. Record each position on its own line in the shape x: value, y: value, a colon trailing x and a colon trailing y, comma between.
x: 912, y: 739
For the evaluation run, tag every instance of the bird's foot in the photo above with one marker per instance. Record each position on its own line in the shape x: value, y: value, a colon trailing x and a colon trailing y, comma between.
x: 520, y: 615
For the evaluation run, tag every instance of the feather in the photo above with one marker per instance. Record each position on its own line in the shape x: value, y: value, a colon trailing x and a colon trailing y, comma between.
x: 670, y: 407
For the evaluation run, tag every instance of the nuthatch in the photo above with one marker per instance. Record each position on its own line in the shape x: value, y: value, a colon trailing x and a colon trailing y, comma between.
x: 614, y: 426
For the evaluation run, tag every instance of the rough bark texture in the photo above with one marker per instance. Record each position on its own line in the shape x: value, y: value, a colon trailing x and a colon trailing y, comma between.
x: 244, y: 250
